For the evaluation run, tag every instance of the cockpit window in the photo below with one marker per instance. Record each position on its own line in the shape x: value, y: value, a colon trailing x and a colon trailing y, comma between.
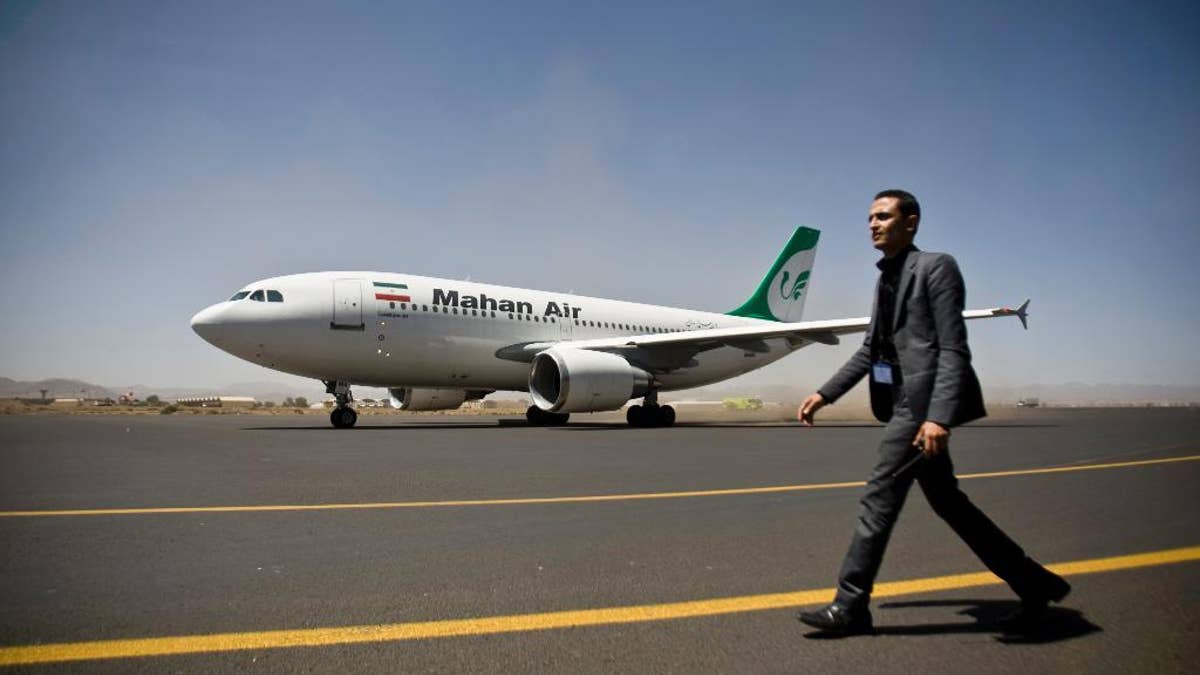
x: 274, y: 296
x: 257, y: 296
x: 239, y: 295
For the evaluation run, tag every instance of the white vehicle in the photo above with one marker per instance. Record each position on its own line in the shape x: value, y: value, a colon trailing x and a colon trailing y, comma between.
x: 435, y: 343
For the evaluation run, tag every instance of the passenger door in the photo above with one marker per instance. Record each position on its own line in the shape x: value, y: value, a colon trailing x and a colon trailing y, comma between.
x: 347, y: 305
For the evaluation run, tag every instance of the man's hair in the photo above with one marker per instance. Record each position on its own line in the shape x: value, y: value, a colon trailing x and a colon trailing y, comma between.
x: 908, y: 203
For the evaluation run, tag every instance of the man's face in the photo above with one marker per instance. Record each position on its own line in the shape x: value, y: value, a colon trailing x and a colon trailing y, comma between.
x: 890, y: 232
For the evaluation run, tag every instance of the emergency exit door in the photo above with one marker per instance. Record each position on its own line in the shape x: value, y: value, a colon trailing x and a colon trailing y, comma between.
x: 347, y: 305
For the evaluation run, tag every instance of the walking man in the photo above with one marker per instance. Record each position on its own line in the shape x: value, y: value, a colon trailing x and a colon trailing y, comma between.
x: 919, y: 367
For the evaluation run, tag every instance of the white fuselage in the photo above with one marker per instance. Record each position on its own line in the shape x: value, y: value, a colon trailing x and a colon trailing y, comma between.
x: 395, y: 330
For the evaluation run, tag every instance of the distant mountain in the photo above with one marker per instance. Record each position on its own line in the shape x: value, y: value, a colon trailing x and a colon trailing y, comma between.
x: 67, y: 388
x: 55, y: 388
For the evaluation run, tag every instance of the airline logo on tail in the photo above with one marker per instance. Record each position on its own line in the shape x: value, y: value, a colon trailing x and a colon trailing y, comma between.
x: 781, y: 295
x: 791, y: 281
x: 794, y: 293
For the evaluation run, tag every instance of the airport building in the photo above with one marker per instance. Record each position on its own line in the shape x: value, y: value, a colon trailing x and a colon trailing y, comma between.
x: 218, y: 402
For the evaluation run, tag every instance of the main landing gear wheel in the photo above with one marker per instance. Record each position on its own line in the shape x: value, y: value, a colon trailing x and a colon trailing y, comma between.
x: 650, y: 415
x: 343, y: 418
x: 540, y: 418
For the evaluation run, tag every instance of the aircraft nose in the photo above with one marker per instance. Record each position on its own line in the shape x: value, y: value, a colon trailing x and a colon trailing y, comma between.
x: 207, y: 323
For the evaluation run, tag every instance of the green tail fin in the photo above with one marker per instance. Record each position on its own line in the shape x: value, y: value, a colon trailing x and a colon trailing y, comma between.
x: 780, y: 296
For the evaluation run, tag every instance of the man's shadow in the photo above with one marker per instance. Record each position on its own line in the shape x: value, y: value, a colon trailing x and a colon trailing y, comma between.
x: 1059, y: 623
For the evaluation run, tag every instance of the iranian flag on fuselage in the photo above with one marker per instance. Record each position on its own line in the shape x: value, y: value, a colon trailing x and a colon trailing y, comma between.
x: 391, y: 292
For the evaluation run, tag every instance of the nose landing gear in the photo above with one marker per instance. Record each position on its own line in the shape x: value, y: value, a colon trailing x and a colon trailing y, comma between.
x: 343, y: 416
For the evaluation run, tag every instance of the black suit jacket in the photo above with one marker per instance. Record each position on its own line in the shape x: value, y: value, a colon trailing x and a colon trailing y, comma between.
x: 931, y: 344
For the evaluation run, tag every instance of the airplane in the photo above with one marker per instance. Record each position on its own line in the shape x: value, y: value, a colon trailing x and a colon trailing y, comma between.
x: 436, y: 343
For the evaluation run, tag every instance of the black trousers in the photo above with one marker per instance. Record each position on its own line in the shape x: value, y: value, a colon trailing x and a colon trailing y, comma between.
x: 885, y: 497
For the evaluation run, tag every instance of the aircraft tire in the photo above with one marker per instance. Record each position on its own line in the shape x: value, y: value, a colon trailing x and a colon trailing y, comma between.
x: 635, y: 416
x: 666, y: 416
x: 533, y: 415
x: 343, y: 418
x: 540, y: 418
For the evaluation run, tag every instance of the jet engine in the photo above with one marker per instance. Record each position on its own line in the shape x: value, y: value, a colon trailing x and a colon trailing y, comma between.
x: 409, y: 398
x: 566, y: 380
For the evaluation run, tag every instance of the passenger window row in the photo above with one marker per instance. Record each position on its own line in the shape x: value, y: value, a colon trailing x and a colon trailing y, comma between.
x: 530, y: 317
x: 624, y: 326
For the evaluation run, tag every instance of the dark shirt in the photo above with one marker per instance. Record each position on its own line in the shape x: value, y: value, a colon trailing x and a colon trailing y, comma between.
x: 883, y: 347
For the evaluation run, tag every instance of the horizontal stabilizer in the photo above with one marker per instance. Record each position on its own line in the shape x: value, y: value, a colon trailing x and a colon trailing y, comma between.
x: 1021, y: 313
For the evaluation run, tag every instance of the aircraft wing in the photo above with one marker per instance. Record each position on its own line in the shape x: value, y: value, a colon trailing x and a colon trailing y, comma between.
x: 669, y: 351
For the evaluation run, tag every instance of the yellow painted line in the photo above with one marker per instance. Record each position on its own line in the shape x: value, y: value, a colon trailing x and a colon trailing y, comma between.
x: 562, y: 500
x: 1081, y: 467
x: 493, y: 625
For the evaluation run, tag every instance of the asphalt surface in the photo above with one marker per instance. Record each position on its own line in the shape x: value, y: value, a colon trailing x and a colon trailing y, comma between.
x: 84, y: 578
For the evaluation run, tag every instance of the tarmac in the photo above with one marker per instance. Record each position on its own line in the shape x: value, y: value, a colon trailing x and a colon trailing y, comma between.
x: 481, y: 545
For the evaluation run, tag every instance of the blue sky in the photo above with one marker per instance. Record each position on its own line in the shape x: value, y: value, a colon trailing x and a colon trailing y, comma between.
x: 156, y: 156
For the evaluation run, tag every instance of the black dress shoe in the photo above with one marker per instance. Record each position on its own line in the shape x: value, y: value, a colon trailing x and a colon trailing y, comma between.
x: 1056, y: 588
x: 835, y: 618
x: 1033, y: 605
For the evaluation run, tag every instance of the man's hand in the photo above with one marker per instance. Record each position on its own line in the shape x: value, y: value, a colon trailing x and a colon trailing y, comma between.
x: 932, y: 438
x: 809, y: 408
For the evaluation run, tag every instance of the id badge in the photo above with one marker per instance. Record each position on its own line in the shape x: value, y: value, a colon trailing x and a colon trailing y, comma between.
x: 882, y: 372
